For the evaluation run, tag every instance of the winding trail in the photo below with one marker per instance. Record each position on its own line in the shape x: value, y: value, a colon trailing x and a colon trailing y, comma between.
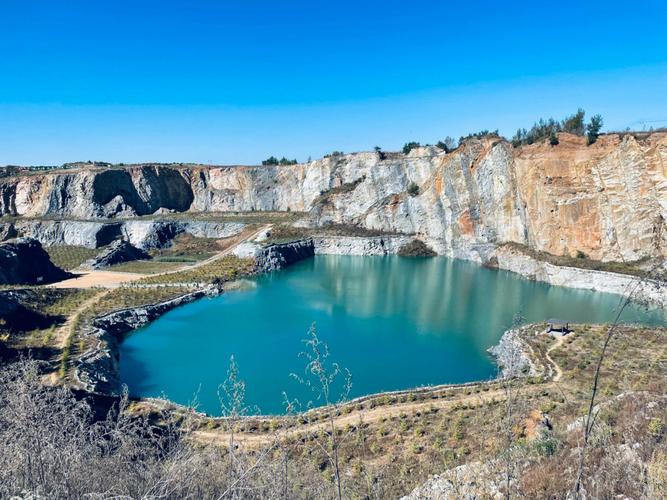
x: 236, y: 240
x: 379, y: 413
x: 66, y: 330
x: 114, y: 279
x: 557, y: 369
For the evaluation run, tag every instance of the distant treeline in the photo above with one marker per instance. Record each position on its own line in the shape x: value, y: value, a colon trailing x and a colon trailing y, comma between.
x: 549, y: 129
x: 272, y: 160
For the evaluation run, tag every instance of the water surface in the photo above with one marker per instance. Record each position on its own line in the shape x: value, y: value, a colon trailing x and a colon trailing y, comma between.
x: 394, y: 322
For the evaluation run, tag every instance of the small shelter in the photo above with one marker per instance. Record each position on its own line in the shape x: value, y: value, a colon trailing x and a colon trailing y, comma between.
x: 558, y: 325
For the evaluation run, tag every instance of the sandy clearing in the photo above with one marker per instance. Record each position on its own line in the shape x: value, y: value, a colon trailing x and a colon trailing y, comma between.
x: 90, y: 279
x: 113, y: 279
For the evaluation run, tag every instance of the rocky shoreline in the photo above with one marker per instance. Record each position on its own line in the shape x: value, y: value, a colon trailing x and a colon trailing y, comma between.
x: 644, y: 290
x: 97, y: 369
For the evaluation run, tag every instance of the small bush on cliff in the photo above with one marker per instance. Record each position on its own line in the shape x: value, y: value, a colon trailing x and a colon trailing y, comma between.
x: 549, y: 129
x: 447, y: 145
x: 413, y: 189
x: 409, y: 146
x: 593, y: 129
x: 271, y: 160
x: 478, y: 135
x: 416, y: 248
x: 574, y: 124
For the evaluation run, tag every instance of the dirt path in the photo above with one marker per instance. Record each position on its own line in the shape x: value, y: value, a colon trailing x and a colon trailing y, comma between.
x: 67, y: 329
x: 114, y: 279
x: 367, y: 416
x: 379, y: 413
x: 236, y: 240
x: 557, y: 369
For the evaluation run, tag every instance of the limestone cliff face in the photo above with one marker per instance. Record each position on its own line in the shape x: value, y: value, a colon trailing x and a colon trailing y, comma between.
x: 608, y: 200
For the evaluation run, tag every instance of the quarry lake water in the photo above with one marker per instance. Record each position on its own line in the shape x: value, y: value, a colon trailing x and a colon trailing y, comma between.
x: 394, y: 322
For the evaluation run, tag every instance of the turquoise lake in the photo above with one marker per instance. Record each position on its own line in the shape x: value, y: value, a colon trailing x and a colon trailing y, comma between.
x: 394, y: 322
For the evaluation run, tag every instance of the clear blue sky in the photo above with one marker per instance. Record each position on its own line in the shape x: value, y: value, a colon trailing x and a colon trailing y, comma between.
x: 236, y: 81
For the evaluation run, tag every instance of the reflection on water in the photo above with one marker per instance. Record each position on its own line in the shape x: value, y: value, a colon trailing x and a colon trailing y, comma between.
x: 394, y: 322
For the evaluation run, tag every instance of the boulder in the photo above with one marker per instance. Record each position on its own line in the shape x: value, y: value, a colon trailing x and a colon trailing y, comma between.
x: 24, y: 261
x: 118, y: 252
x: 7, y: 232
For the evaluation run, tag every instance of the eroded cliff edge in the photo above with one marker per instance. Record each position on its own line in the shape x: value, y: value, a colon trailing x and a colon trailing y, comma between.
x: 607, y: 200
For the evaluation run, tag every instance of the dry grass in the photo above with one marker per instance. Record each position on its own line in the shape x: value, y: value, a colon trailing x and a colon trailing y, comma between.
x: 226, y: 268
x: 52, y: 304
x: 154, y: 266
x: 70, y: 257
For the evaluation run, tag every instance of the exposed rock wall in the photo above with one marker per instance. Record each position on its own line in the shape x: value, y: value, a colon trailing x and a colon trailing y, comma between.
x: 276, y: 256
x: 351, y: 245
x: 118, y: 252
x: 145, y: 234
x: 646, y: 290
x: 24, y: 261
x: 97, y: 370
x: 608, y: 200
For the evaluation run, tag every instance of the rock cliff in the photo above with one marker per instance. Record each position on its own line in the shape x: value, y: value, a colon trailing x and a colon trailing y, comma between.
x: 144, y: 234
x: 97, y: 370
x: 276, y: 256
x: 118, y: 252
x: 24, y: 261
x: 607, y: 200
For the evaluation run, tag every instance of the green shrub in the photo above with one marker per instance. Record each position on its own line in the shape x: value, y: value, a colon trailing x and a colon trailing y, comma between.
x: 546, y: 447
x: 656, y: 427
x: 416, y: 248
x: 549, y: 129
x: 593, y: 128
x: 447, y: 145
x: 478, y: 135
x: 271, y: 160
x: 413, y: 189
x: 574, y: 124
x: 409, y: 146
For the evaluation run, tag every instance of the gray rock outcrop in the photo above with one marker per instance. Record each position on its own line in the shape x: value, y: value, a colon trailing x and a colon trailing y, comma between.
x: 24, y: 261
x: 87, y: 234
x: 118, y: 252
x: 360, y: 245
x: 97, y: 370
x: 276, y: 256
x: 511, y: 355
x: 145, y: 234
x: 7, y: 232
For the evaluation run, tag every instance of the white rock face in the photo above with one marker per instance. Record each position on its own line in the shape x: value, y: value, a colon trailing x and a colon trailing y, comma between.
x: 143, y: 234
x: 75, y: 233
x: 608, y: 200
x: 349, y: 245
x: 586, y: 279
